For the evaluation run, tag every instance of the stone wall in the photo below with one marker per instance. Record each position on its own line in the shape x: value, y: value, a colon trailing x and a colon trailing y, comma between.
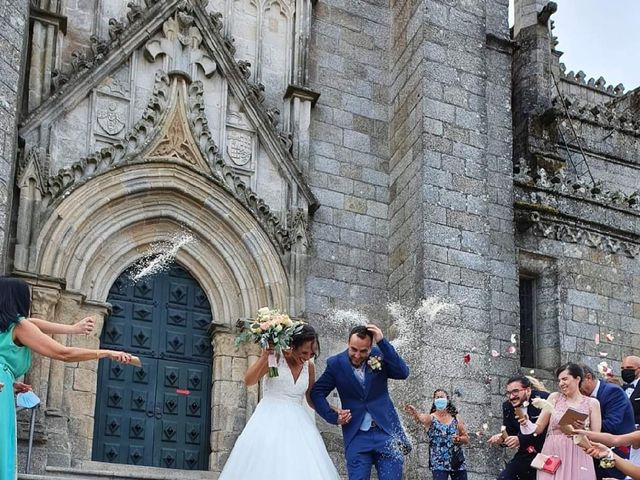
x: 13, y: 24
x: 449, y: 175
x: 597, y: 294
x: 467, y: 206
x: 576, y: 210
x: 349, y: 155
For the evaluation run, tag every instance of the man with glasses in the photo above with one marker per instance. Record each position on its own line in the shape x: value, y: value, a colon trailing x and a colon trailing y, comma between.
x: 518, y: 392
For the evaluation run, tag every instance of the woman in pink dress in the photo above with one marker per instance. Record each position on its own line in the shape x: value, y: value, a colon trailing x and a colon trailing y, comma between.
x: 575, y: 463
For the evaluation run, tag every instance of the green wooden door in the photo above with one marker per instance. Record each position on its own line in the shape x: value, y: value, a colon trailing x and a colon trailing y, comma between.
x: 157, y: 415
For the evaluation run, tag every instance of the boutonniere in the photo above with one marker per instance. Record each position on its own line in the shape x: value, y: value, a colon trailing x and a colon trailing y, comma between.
x: 375, y: 363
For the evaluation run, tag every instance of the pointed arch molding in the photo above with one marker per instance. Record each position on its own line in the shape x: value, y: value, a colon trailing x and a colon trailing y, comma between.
x: 173, y: 128
x: 219, y: 52
x: 107, y: 224
x: 103, y: 214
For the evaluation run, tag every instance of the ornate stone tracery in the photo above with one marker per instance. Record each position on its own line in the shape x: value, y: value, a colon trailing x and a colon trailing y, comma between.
x: 557, y: 229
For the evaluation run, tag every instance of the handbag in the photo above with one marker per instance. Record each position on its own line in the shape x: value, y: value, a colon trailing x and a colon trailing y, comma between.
x: 457, y: 457
x: 546, y: 463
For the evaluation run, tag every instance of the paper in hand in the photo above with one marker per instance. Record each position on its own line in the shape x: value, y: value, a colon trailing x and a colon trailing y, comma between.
x: 571, y: 416
x: 135, y: 361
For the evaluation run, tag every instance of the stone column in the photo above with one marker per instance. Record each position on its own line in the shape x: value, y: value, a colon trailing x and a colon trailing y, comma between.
x: 72, y: 387
x: 232, y: 403
x: 451, y: 203
x: 301, y: 101
x: 533, y: 62
x: 46, y: 25
x: 12, y: 45
x: 43, y: 305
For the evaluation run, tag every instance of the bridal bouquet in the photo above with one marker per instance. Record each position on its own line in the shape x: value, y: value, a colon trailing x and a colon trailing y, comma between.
x: 271, y: 329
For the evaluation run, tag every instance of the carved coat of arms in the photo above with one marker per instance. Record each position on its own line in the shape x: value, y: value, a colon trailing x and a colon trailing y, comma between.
x: 239, y: 147
x: 111, y: 119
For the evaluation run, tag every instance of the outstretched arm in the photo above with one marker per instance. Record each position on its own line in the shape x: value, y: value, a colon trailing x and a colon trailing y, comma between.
x: 323, y: 387
x: 632, y: 439
x: 597, y: 450
x: 527, y: 428
x: 27, y: 334
x: 423, y: 418
x: 83, y: 326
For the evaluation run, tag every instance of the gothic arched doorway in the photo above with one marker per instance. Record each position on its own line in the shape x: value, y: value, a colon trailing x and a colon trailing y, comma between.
x: 157, y: 415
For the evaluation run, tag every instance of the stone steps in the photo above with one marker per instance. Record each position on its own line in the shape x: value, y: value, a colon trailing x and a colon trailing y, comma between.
x: 106, y: 471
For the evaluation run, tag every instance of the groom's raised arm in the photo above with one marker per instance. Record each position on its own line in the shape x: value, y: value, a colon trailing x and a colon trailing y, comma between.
x: 395, y: 366
x: 323, y: 387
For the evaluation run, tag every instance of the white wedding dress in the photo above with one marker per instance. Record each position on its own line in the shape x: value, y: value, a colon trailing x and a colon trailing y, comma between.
x: 280, y: 440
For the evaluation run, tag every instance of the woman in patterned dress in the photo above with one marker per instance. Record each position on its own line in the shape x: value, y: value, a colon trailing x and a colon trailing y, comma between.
x: 446, y: 432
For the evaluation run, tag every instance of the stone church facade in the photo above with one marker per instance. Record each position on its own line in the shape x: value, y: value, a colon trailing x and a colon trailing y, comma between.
x: 323, y: 155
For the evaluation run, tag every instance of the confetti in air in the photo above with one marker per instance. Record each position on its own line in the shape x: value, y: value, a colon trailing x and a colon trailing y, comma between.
x: 597, y: 339
x: 511, y: 350
x: 513, y: 338
x: 610, y: 337
x: 495, y: 353
x: 159, y: 256
x: 603, y: 354
x: 604, y: 369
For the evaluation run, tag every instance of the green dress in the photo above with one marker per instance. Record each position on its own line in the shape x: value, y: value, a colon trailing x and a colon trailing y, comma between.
x: 14, y: 362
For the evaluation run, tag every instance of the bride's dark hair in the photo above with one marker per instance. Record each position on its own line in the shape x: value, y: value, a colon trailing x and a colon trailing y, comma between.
x: 306, y: 334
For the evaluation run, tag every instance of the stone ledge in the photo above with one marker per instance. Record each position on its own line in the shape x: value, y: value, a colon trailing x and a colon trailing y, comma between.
x: 90, y: 470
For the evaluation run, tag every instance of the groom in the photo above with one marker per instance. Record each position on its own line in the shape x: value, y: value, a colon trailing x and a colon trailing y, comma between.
x: 371, y: 428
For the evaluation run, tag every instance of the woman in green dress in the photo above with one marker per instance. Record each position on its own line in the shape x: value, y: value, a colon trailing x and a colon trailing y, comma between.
x: 19, y: 336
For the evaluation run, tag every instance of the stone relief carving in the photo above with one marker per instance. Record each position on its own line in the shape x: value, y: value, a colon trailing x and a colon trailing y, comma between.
x: 298, y: 223
x: 604, y: 115
x: 33, y: 165
x: 239, y: 147
x: 555, y: 230
x: 44, y: 302
x: 118, y: 83
x: 111, y: 116
x: 138, y: 137
x: 181, y: 43
x: 176, y: 143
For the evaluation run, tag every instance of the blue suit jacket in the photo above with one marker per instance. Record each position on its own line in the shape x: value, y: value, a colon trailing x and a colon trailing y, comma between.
x: 374, y: 398
x: 617, y: 419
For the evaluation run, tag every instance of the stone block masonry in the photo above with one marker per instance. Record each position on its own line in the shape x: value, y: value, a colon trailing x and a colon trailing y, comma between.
x: 13, y: 23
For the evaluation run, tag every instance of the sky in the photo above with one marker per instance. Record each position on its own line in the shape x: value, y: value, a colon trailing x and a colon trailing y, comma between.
x: 601, y: 38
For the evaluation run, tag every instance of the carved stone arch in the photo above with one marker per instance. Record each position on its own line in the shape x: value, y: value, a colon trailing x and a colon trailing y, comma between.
x: 88, y: 240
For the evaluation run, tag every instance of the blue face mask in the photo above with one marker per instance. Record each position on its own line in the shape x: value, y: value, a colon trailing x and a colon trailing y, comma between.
x: 441, y: 403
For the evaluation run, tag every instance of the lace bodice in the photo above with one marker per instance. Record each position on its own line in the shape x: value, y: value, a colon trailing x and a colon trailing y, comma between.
x: 283, y: 387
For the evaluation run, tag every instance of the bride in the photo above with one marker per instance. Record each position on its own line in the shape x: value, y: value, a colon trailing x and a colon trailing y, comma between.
x: 280, y: 439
